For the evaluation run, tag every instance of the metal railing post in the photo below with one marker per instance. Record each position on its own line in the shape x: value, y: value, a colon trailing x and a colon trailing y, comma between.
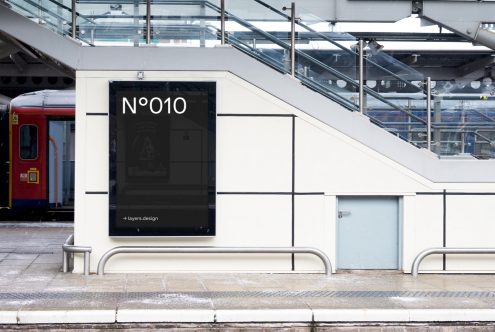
x: 74, y: 18
x: 222, y: 21
x: 148, y: 22
x: 293, y: 39
x: 86, y: 263
x: 428, y: 113
x: 361, y: 75
x: 65, y: 254
x: 65, y: 262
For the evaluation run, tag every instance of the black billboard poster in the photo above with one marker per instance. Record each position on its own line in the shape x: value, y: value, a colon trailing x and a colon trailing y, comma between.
x: 162, y: 158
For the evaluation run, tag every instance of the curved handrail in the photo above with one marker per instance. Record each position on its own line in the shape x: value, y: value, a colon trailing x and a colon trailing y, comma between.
x: 213, y: 250
x: 452, y: 250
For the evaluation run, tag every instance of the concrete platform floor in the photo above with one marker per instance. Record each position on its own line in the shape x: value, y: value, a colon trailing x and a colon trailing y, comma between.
x: 33, y: 290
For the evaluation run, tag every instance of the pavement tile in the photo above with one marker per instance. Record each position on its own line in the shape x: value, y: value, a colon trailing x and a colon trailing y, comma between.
x: 49, y: 258
x: 8, y: 317
x: 148, y: 284
x: 16, y: 262
x: 7, y: 271
x: 165, y: 301
x: 66, y: 316
x: 351, y: 303
x: 165, y: 315
x: 246, y: 302
x: 360, y: 315
x: 175, y: 285
x: 42, y: 269
x: 439, y: 303
x: 257, y: 315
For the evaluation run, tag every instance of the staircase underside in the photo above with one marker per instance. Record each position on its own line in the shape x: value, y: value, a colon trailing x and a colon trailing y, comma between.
x: 71, y: 55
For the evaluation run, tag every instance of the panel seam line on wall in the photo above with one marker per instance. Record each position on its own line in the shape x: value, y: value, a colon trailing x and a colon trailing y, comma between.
x: 293, y: 186
x: 257, y: 115
x: 267, y: 193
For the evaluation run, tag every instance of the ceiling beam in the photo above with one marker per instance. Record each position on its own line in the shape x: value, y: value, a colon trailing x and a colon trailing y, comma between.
x: 475, y: 70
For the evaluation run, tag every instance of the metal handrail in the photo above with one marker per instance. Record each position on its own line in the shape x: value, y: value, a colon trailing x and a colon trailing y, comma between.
x: 314, y: 61
x: 69, y: 249
x: 333, y: 42
x: 213, y: 250
x: 452, y: 250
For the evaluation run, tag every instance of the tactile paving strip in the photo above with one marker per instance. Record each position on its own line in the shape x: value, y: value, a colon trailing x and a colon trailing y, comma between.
x: 133, y: 296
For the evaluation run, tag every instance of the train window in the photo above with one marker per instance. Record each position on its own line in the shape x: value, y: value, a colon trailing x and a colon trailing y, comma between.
x: 28, y: 142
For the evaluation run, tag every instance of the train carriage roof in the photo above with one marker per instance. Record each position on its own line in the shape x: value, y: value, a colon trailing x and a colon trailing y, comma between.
x: 45, y: 99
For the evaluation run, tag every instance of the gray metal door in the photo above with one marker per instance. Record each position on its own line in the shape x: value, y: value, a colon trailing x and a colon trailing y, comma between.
x: 368, y: 233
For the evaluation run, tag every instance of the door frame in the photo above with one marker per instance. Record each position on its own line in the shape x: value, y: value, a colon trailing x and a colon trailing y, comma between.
x: 400, y: 220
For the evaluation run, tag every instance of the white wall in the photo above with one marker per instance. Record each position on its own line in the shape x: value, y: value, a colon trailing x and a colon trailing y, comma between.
x: 254, y: 154
x: 422, y: 228
x: 315, y: 223
x: 470, y: 223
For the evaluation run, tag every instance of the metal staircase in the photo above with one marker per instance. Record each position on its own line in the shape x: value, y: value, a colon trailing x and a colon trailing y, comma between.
x: 391, y: 94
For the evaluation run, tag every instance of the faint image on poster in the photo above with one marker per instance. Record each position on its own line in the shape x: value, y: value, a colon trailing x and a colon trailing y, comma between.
x: 148, y: 154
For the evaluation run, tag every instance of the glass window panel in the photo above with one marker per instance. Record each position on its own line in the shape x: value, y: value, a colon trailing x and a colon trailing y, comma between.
x: 28, y: 142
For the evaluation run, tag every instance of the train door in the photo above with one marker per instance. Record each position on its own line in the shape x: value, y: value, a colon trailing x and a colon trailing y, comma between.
x: 4, y: 158
x: 28, y: 155
x: 61, y: 143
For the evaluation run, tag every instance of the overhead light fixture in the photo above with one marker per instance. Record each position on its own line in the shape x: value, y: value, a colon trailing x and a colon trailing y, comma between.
x: 419, y: 84
x: 487, y: 81
x: 341, y: 83
x: 371, y: 84
x: 475, y: 84
x: 385, y: 84
x: 374, y: 47
x: 355, y: 47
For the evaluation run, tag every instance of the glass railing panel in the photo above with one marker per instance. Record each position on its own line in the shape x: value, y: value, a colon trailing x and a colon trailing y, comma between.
x: 463, y: 117
x: 327, y: 61
x: 184, y: 24
x: 259, y: 45
x: 115, y: 23
x: 402, y: 114
x: 379, y: 64
x: 25, y: 9
x: 51, y: 14
x: 463, y: 113
x: 258, y: 11
x: 333, y: 85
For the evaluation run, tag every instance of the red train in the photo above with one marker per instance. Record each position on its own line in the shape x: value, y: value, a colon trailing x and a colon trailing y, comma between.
x: 37, y: 151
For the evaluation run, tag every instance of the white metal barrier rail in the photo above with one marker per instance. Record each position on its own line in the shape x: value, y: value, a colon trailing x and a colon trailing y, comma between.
x: 69, y: 249
x: 432, y: 251
x: 213, y: 250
